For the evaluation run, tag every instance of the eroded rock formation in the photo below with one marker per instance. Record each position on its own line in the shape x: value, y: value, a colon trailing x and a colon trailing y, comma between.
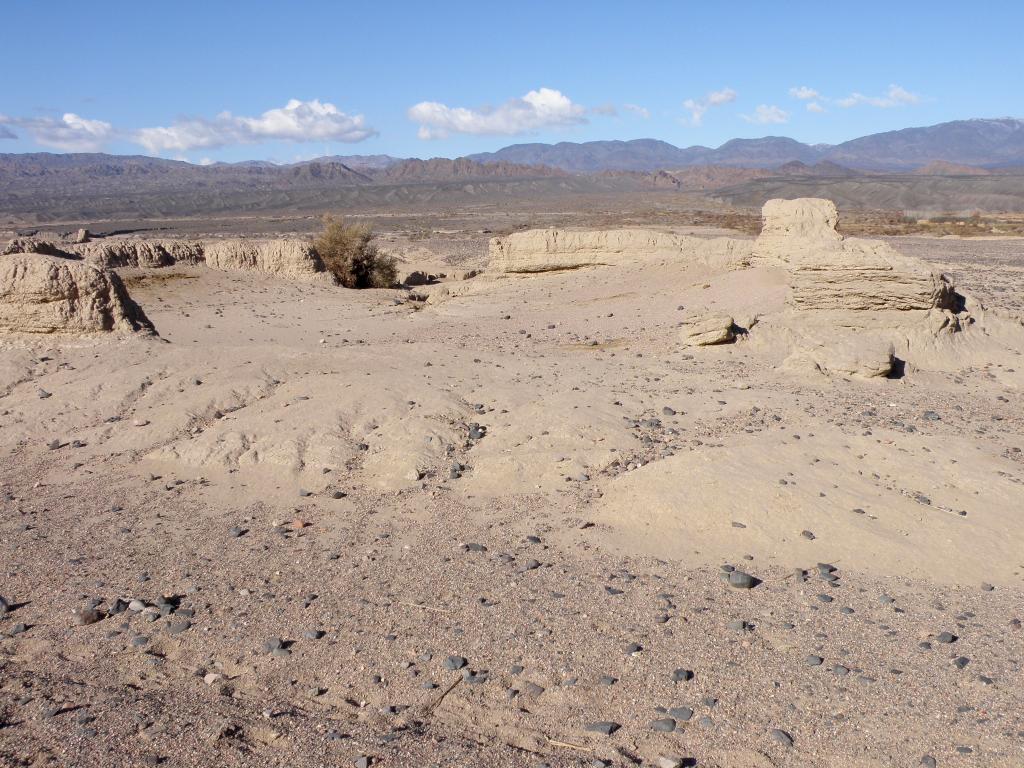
x: 849, y: 306
x: 546, y: 250
x: 289, y: 258
x: 51, y: 294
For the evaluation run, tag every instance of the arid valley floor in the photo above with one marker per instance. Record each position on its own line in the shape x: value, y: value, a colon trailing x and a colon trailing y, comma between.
x: 491, y: 521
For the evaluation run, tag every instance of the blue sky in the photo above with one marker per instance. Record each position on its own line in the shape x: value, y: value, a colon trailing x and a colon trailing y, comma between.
x: 219, y: 80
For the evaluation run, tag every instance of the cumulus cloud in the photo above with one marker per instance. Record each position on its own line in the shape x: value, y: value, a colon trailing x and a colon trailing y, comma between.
x: 542, y: 108
x: 766, y: 114
x: 297, y: 121
x: 896, y: 96
x: 698, y: 107
x: 804, y: 93
x: 70, y: 133
x: 637, y: 110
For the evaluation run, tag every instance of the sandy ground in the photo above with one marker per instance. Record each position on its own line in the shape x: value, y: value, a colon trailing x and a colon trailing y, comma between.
x: 318, y: 496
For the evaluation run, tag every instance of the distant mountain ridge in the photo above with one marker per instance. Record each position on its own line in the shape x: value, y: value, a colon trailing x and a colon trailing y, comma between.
x: 979, y: 142
x: 101, y: 172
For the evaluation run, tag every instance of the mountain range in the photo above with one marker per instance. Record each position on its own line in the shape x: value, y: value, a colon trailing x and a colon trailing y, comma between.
x: 961, y: 165
x: 982, y: 142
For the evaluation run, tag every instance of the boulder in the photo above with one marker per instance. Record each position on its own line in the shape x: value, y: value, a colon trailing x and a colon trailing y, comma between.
x: 50, y: 294
x: 705, y: 331
x: 866, y: 358
x: 82, y: 236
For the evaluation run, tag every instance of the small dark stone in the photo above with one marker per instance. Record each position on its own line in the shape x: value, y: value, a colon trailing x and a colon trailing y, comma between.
x: 604, y: 727
x: 782, y: 737
x: 741, y: 580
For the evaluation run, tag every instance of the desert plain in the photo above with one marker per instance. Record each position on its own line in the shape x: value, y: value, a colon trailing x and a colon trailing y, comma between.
x: 589, y: 488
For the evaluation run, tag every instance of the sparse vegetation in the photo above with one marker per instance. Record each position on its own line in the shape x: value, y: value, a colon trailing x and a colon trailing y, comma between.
x: 348, y: 252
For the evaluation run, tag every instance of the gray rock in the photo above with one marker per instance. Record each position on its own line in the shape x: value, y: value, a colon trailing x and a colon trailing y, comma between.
x: 663, y: 725
x: 741, y: 580
x: 781, y: 736
x: 455, y: 662
x: 604, y: 727
x: 85, y: 616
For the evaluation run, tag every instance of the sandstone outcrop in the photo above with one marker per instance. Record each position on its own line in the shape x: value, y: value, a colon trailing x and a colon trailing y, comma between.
x: 289, y: 258
x: 546, y: 250
x: 35, y: 245
x: 294, y: 259
x: 127, y: 252
x: 50, y: 294
x: 832, y: 304
x: 855, y: 307
x: 830, y: 272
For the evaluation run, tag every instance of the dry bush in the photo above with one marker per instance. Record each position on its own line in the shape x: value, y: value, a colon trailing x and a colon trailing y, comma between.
x: 348, y: 252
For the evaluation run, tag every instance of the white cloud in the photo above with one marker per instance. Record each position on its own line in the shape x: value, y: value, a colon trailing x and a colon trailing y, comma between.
x: 71, y: 133
x: 815, y: 107
x: 894, y: 97
x: 698, y: 107
x: 297, y: 121
x: 608, y: 110
x: 804, y: 93
x: 766, y: 114
x: 542, y: 108
x: 636, y: 109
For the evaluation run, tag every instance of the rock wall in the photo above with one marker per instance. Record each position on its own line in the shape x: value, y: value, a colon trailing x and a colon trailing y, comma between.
x: 294, y: 259
x: 140, y: 253
x: 545, y: 250
x: 51, y: 294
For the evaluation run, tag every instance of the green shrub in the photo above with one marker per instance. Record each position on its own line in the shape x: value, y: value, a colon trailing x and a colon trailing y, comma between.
x: 348, y: 252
